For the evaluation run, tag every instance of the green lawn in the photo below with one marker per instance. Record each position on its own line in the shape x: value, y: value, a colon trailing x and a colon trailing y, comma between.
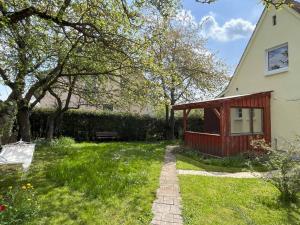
x: 187, y: 159
x: 109, y: 183
x: 229, y: 201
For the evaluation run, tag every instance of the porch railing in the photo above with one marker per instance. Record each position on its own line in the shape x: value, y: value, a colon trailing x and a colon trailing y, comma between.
x: 204, y: 142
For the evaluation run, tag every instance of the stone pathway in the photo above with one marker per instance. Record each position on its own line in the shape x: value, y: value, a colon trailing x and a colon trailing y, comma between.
x: 221, y: 174
x: 167, y: 207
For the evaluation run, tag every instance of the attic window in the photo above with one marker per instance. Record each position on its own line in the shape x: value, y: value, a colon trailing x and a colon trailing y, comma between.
x: 277, y: 59
x: 274, y: 20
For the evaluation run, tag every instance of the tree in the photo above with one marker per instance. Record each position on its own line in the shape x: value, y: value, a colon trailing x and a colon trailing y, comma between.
x: 184, y: 70
x: 120, y: 89
x: 41, y: 41
x: 276, y: 3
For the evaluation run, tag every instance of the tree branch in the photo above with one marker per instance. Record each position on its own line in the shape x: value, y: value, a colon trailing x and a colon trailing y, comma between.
x: 52, y: 76
x: 5, y: 78
x: 63, y: 8
x: 70, y: 92
x: 58, y: 100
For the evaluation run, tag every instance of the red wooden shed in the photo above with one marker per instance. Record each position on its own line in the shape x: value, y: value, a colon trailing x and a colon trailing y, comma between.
x: 230, y: 123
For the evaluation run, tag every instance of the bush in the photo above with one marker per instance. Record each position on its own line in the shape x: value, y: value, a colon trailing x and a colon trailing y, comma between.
x: 284, y: 167
x: 82, y: 125
x: 18, y: 205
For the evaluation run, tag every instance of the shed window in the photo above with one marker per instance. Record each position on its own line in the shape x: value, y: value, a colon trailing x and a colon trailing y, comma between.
x: 278, y: 58
x: 251, y: 123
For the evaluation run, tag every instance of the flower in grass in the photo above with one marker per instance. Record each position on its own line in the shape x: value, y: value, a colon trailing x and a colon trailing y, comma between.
x: 29, y: 186
x: 10, y: 187
x: 24, y: 187
x: 2, y: 207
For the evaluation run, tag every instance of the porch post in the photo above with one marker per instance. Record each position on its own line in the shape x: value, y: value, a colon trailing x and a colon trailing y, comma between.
x: 184, y: 121
x: 186, y: 113
x: 224, y: 128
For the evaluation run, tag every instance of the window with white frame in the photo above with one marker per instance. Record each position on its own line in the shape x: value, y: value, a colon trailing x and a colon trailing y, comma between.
x: 277, y: 58
x: 252, y: 124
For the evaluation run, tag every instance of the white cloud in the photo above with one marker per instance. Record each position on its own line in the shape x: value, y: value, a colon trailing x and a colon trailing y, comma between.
x: 231, y: 30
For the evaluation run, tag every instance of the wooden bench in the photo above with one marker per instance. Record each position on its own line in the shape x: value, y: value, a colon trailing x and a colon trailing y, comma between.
x: 99, y: 135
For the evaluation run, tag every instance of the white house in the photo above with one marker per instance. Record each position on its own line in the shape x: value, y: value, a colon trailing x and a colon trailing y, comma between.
x: 262, y: 99
x: 271, y: 62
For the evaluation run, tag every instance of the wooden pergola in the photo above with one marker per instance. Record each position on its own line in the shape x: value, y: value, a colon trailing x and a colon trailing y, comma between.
x: 217, y: 138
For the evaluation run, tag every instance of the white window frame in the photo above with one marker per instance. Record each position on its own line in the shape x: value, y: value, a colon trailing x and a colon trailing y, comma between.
x: 248, y: 133
x: 280, y: 70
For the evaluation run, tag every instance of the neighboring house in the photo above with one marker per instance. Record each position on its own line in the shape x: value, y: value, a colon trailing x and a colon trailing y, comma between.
x: 106, y: 100
x: 263, y: 97
x: 78, y: 103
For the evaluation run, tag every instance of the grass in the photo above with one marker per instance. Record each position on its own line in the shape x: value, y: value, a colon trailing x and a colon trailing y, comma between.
x: 229, y: 201
x: 108, y: 183
x: 191, y: 160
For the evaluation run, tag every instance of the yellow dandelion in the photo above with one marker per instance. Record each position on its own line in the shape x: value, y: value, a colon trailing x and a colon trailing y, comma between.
x: 24, y: 187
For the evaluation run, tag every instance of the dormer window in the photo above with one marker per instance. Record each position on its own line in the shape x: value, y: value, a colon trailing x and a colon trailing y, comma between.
x: 277, y: 59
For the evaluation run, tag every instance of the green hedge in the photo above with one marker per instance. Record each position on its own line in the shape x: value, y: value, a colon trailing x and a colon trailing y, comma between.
x: 82, y: 125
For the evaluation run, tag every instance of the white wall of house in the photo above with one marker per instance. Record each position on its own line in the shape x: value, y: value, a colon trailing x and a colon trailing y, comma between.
x: 251, y: 75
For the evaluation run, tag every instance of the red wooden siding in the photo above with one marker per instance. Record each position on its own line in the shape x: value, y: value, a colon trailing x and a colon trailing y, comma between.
x: 206, y: 143
x: 217, y: 116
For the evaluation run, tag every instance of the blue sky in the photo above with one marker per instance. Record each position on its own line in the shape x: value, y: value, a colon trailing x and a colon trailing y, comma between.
x: 228, y: 27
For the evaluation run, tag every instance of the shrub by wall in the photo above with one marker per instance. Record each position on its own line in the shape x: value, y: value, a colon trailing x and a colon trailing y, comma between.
x: 82, y: 125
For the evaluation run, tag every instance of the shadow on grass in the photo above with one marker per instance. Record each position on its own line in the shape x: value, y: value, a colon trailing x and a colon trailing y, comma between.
x: 292, y: 208
x: 99, y: 170
x: 120, y: 178
x: 112, y: 179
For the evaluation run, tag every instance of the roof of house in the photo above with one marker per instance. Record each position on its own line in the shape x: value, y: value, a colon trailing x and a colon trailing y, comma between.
x: 219, y: 101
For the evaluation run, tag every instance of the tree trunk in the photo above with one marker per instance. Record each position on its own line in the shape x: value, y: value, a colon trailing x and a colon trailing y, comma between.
x: 24, y: 123
x: 167, y: 115
x: 172, y: 124
x: 58, y: 122
x: 50, y: 127
x: 8, y: 111
x: 53, y: 124
x: 172, y: 116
